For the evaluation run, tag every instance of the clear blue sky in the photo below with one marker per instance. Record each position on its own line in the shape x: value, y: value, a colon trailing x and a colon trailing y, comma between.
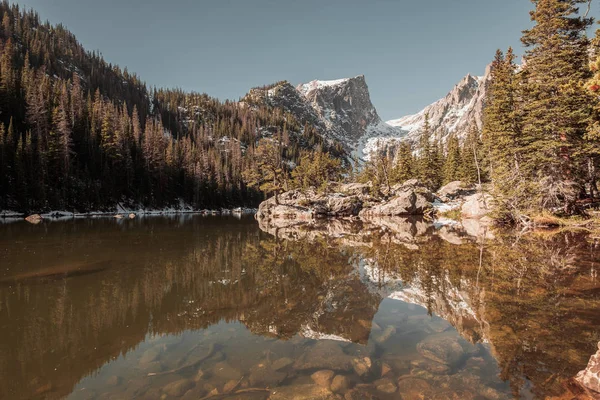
x: 412, y: 52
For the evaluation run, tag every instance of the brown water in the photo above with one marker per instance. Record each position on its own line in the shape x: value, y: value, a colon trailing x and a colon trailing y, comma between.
x: 212, y: 307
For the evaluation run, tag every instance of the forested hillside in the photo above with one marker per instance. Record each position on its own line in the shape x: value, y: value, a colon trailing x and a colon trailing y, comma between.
x: 78, y: 133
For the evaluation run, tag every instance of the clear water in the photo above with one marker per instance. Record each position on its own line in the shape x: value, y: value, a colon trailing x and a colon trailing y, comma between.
x: 212, y: 307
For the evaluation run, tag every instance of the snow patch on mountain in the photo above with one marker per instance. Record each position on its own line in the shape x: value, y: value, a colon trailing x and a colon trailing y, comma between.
x: 316, y: 84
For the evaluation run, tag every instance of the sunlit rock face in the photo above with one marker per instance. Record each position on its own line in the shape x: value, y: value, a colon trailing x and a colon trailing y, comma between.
x: 590, y: 377
x: 344, y: 105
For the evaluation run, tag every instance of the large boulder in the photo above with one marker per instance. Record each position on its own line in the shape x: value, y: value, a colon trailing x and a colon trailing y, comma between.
x: 338, y: 206
x: 455, y: 190
x: 291, y: 208
x: 405, y: 202
x: 590, y: 377
x: 355, y: 189
x: 295, y: 207
x: 413, y: 185
x: 477, y: 205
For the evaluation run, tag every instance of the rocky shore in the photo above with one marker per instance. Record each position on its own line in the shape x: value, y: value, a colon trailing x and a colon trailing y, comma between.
x: 357, y: 202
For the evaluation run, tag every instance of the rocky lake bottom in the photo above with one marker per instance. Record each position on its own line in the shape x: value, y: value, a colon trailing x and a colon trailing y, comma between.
x: 202, y: 307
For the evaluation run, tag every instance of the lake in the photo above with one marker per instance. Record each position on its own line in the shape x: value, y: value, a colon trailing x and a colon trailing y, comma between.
x: 198, y: 307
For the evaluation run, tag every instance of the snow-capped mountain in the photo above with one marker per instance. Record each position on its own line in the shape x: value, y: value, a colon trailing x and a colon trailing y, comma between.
x: 455, y: 113
x: 340, y: 110
x: 345, y: 107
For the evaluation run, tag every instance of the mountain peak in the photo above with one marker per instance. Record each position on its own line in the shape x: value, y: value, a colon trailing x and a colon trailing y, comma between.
x: 455, y: 113
x: 316, y: 84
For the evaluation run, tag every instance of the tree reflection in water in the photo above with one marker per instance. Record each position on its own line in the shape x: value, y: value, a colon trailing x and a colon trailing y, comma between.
x: 83, y: 299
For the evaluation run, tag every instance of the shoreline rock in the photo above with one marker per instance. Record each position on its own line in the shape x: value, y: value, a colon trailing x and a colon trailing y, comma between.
x: 589, y: 378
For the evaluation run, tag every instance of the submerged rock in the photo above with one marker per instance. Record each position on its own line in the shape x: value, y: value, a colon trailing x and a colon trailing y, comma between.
x: 323, y: 377
x: 340, y: 384
x: 361, y: 392
x: 386, y: 334
x: 362, y: 366
x: 178, y: 388
x: 414, y: 389
x: 442, y: 349
x: 282, y: 363
x: 325, y: 354
x: 225, y: 371
x: 302, y: 392
x: 386, y: 385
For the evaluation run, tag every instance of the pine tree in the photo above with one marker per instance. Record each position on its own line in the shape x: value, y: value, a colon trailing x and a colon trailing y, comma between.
x: 592, y: 137
x: 453, y: 160
x: 403, y: 169
x: 556, y: 107
x: 470, y: 154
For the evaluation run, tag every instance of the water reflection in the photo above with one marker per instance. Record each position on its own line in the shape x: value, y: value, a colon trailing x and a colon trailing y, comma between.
x: 168, y: 308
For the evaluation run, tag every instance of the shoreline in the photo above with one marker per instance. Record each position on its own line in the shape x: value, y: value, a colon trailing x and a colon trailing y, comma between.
x: 123, y: 213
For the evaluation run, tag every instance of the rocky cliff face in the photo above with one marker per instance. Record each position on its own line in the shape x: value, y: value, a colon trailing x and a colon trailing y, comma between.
x: 456, y: 113
x: 340, y: 110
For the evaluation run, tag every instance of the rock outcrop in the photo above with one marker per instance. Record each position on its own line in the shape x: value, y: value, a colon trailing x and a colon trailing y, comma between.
x: 352, y: 200
x: 344, y: 105
x: 455, y: 190
x: 405, y: 202
x: 477, y: 206
x: 590, y: 377
x: 295, y: 207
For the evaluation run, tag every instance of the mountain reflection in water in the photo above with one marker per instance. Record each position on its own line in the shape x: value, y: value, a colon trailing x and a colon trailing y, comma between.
x: 213, y: 306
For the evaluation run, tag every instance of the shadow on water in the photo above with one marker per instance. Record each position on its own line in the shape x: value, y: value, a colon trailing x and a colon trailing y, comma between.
x: 214, y: 306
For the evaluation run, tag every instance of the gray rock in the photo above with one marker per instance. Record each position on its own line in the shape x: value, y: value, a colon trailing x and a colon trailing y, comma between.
x: 386, y: 334
x: 404, y: 203
x: 590, y: 377
x: 442, y: 349
x: 282, y: 363
x: 361, y: 392
x: 434, y: 367
x: 454, y: 190
x: 178, y: 388
x: 326, y: 354
x: 343, y: 206
x: 414, y: 389
x: 323, y: 377
x: 340, y: 384
x: 360, y: 190
x: 386, y: 385
x: 477, y: 205
x: 362, y: 366
x: 302, y: 392
x: 225, y: 371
